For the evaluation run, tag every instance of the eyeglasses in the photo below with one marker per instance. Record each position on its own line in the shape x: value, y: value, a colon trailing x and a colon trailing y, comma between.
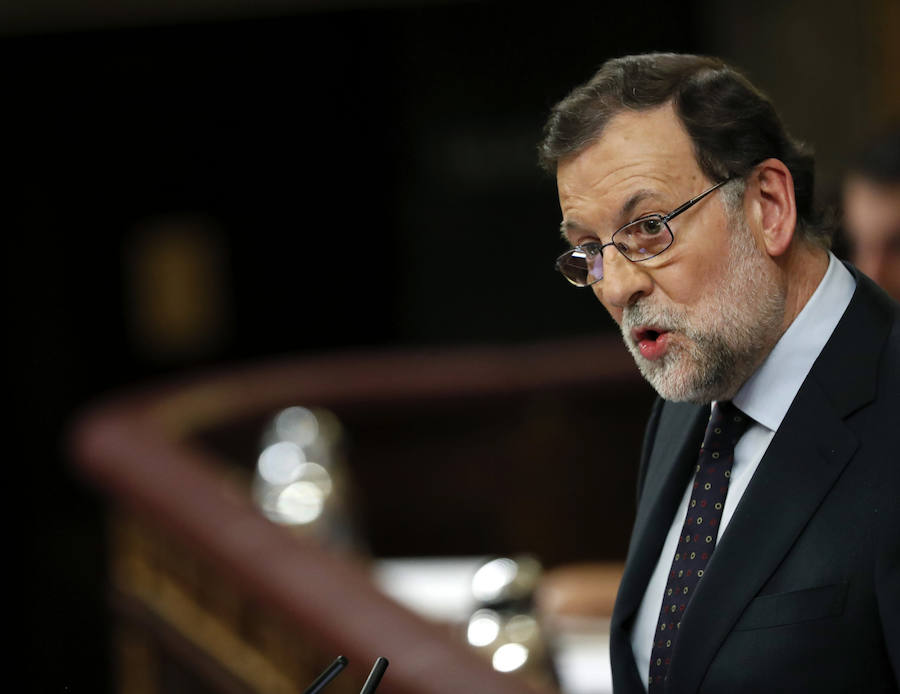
x: 640, y: 240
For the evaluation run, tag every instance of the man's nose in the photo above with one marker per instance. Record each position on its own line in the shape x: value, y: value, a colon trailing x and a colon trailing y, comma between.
x: 623, y: 283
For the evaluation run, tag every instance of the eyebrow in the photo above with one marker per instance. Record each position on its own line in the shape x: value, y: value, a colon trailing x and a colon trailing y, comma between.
x: 623, y: 217
x: 569, y: 224
x: 636, y: 198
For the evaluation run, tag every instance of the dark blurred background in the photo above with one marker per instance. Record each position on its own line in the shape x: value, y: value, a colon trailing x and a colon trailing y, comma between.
x: 205, y: 183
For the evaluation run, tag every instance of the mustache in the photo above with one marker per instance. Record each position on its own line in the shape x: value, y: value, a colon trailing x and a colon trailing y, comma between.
x: 642, y: 314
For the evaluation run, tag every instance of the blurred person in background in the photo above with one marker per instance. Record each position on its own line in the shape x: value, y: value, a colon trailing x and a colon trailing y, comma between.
x: 871, y: 202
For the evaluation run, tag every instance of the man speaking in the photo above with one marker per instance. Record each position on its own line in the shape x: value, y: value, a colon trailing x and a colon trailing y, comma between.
x: 765, y: 554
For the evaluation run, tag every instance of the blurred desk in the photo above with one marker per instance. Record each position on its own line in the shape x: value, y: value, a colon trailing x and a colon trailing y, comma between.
x: 439, y: 589
x: 209, y: 596
x: 582, y: 656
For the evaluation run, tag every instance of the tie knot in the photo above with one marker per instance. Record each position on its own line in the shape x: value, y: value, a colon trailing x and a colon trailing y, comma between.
x: 728, y: 418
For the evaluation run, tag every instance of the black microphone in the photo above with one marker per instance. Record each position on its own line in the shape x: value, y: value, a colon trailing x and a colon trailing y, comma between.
x: 327, y: 675
x: 375, y: 676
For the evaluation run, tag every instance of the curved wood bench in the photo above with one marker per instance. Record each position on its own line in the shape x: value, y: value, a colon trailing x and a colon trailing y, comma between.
x: 203, y: 583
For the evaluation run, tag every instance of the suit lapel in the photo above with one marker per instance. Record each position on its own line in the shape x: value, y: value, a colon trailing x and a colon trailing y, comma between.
x: 680, y: 431
x: 802, y: 463
x: 806, y: 457
x: 674, y: 450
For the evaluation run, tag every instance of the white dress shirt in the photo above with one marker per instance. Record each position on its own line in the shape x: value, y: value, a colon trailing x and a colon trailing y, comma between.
x: 765, y: 397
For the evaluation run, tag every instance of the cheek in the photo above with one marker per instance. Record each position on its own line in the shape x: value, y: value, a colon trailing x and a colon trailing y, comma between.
x: 692, y: 288
x: 701, y: 260
x: 689, y: 282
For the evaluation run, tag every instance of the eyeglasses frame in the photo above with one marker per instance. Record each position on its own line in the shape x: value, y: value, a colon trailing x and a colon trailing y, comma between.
x: 665, y: 219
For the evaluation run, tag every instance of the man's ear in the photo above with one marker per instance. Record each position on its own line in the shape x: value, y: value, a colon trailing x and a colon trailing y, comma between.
x: 771, y: 189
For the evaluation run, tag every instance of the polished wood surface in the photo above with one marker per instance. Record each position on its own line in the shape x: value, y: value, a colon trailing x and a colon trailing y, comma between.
x: 153, y: 452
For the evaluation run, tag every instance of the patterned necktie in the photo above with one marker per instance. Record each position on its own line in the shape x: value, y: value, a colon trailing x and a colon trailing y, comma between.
x: 698, y: 534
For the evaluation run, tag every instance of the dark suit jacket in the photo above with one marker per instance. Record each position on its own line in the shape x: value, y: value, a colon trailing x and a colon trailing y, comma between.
x: 802, y: 593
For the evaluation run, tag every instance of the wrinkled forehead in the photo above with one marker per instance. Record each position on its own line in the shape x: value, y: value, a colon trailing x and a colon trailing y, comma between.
x: 641, y: 157
x: 652, y: 143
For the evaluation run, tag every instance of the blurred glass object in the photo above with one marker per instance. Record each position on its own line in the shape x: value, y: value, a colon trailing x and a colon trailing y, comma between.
x: 300, y: 503
x: 504, y: 580
x: 484, y: 628
x: 490, y: 580
x: 522, y: 628
x: 509, y: 657
x: 296, y: 424
x: 301, y: 480
x: 504, y: 628
x: 281, y: 463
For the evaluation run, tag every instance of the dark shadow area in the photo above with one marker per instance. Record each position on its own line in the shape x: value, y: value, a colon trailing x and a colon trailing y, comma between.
x: 361, y: 178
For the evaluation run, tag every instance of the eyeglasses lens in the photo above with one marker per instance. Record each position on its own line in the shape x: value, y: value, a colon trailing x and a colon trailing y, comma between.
x: 643, y: 238
x: 581, y: 267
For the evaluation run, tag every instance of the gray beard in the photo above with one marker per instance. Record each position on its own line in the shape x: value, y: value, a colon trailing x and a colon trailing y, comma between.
x: 701, y: 368
x: 718, y: 343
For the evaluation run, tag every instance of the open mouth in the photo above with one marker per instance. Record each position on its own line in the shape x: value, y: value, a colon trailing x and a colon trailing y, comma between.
x: 647, y: 333
x: 651, y: 341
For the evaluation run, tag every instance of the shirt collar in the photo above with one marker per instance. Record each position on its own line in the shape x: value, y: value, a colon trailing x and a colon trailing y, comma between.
x: 769, y: 392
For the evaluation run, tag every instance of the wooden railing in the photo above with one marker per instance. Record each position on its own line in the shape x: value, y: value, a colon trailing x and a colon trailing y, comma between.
x: 210, y: 596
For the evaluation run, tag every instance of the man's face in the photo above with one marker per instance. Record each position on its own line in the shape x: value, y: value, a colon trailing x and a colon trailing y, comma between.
x: 699, y: 318
x: 872, y: 220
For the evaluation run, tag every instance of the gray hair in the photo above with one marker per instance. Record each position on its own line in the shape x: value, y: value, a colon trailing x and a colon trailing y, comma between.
x: 733, y: 126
